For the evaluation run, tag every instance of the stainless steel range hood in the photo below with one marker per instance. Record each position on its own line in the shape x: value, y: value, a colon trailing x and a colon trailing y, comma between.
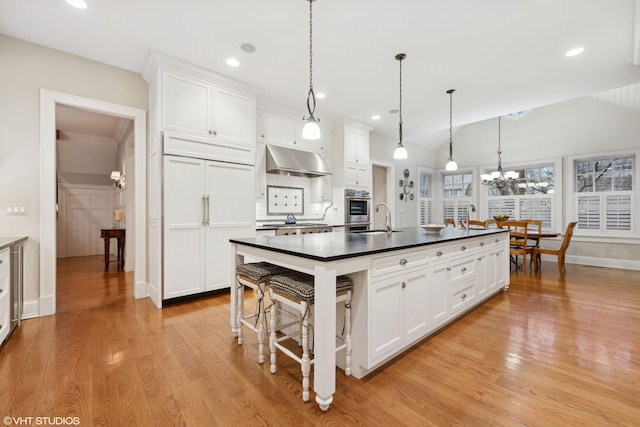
x: 289, y: 161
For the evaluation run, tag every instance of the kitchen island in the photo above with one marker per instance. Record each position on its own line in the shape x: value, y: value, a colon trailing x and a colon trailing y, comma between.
x: 407, y: 284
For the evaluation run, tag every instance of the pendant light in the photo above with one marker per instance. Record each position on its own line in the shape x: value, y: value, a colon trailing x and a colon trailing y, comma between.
x: 400, y: 152
x: 451, y: 164
x: 311, y: 130
x: 499, y: 179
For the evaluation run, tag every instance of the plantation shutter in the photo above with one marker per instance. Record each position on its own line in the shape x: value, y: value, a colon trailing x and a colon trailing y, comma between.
x: 448, y: 209
x: 501, y: 206
x: 426, y: 211
x: 588, y: 211
x: 618, y: 212
x: 536, y: 208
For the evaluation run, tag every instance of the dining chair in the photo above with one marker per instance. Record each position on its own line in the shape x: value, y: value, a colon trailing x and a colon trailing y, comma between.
x: 450, y: 221
x: 560, y: 252
x: 477, y: 223
x: 518, y: 241
x: 535, y: 226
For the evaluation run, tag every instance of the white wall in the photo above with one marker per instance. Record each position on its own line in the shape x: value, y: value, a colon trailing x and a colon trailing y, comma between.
x: 26, y: 68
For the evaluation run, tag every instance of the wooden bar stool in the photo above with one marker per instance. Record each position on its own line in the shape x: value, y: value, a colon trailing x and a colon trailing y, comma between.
x: 255, y: 276
x: 297, y: 291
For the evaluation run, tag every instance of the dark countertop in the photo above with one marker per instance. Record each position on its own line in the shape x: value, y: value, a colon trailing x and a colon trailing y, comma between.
x: 6, y: 241
x: 336, y: 246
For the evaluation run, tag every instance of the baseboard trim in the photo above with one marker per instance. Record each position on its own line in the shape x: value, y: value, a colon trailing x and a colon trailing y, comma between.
x: 30, y: 309
x: 622, y: 264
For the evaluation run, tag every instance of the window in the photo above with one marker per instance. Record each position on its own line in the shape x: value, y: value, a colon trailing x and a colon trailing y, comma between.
x: 458, y: 192
x: 604, y: 196
x: 530, y: 197
x: 425, y: 197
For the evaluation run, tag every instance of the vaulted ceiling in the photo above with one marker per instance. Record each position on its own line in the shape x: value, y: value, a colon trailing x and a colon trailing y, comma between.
x: 501, y: 56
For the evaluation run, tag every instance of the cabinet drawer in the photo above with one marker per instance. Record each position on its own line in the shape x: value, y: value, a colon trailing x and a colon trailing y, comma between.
x: 4, y: 260
x: 464, y: 247
x: 462, y: 270
x: 5, y: 315
x: 461, y: 297
x: 437, y: 253
x: 396, y: 263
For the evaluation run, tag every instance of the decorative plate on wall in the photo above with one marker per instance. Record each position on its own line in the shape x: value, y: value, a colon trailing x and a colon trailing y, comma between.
x: 407, y: 186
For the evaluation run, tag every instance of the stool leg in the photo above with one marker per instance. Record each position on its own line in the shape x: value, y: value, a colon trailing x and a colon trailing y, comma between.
x: 347, y: 334
x: 272, y: 336
x: 305, y: 362
x: 240, y: 310
x: 261, y: 320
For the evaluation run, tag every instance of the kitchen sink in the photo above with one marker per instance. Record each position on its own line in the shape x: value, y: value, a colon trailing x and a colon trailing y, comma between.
x: 381, y: 231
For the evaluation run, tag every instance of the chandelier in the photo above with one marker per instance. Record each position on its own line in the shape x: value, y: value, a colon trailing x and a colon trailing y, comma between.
x: 311, y: 130
x: 498, y: 178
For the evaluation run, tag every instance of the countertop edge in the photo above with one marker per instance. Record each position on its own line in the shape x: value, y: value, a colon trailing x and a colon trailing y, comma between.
x: 8, y: 241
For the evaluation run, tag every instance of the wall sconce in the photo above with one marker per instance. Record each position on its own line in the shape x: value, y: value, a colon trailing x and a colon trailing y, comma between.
x: 118, y: 178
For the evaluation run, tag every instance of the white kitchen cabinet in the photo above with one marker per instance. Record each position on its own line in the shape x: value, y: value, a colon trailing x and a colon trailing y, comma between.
x: 207, y: 120
x: 438, y: 287
x: 277, y: 129
x: 260, y: 171
x: 356, y: 176
x: 399, y: 302
x: 321, y: 145
x: 5, y: 298
x: 356, y: 146
x: 202, y: 211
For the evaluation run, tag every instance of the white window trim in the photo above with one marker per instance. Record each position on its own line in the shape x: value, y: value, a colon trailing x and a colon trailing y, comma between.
x: 434, y: 176
x: 439, y: 188
x: 570, y: 207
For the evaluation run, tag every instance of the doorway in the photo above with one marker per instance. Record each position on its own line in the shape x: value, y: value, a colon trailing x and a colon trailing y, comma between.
x: 48, y: 186
x: 382, y: 192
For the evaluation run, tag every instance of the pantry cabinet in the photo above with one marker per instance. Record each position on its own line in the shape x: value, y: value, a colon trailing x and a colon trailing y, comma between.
x: 200, y: 217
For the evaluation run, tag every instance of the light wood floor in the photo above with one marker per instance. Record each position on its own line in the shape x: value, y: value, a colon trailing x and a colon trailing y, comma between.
x: 549, y: 352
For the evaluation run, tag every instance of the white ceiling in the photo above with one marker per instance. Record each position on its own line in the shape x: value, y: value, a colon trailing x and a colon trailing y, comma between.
x: 501, y: 56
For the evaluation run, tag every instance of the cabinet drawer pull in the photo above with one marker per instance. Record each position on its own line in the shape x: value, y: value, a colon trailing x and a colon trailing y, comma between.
x: 463, y: 269
x: 448, y: 268
x: 1, y: 290
x: 213, y: 132
x: 463, y: 296
x: 463, y: 248
x: 403, y: 261
x: 497, y: 240
x: 480, y: 258
x: 481, y: 244
x: 439, y: 253
x: 404, y: 285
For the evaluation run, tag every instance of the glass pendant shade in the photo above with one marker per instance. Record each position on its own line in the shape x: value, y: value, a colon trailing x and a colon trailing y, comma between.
x: 400, y: 152
x: 451, y: 165
x: 311, y: 130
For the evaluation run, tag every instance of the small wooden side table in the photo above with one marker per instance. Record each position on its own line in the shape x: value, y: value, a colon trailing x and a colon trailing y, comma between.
x: 116, y: 233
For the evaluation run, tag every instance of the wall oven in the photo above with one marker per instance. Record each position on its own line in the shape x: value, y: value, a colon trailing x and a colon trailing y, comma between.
x: 357, y: 210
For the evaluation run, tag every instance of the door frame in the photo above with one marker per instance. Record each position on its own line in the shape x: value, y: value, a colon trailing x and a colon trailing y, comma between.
x: 390, y: 182
x: 48, y: 101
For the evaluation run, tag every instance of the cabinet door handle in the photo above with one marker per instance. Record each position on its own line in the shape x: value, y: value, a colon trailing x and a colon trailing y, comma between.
x: 463, y: 296
x: 480, y: 258
x: 263, y: 135
x: 463, y: 248
x: 481, y: 244
x: 403, y: 261
x: 207, y: 206
x: 448, y: 268
x: 439, y: 253
x: 1, y: 261
x: 214, y: 133
x: 404, y: 285
x: 1, y: 290
x: 204, y: 215
x: 463, y: 269
x: 497, y: 240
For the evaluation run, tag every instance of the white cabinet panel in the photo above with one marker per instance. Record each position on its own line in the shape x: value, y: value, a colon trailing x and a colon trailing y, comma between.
x: 233, y: 117
x: 386, y: 318
x: 356, y: 176
x: 205, y: 204
x: 278, y: 129
x: 186, y: 104
x: 356, y: 146
x: 416, y: 296
x: 437, y: 301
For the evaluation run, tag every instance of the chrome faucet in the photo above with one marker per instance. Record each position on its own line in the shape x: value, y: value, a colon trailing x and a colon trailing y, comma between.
x: 470, y: 208
x: 387, y: 219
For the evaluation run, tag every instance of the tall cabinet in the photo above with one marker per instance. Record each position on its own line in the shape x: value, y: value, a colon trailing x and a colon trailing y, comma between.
x: 201, y: 176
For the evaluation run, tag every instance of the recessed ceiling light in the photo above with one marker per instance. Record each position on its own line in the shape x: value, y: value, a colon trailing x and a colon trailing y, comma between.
x: 232, y: 62
x: 80, y: 4
x: 247, y: 47
x: 574, y: 52
x: 320, y: 95
x: 375, y: 117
